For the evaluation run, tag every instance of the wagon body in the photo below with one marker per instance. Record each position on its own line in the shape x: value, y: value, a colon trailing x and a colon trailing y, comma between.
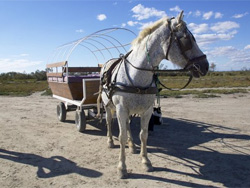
x: 76, y: 87
x: 71, y: 82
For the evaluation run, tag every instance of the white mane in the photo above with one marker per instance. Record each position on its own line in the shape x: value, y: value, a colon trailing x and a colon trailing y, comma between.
x: 148, y: 30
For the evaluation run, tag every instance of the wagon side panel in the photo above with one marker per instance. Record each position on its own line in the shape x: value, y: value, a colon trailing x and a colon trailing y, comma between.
x: 92, y: 87
x: 71, y: 91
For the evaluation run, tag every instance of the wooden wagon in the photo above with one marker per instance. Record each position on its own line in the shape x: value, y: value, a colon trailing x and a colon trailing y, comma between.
x: 77, y: 87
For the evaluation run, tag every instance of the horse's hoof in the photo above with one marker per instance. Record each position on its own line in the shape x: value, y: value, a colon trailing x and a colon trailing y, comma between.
x: 111, y: 145
x: 122, y: 174
x: 148, y: 167
x: 133, y: 150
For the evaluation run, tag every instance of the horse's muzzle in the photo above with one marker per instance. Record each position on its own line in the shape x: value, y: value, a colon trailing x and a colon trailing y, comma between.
x: 200, y: 68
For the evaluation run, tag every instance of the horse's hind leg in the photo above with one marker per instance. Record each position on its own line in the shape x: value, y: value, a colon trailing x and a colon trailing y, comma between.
x: 109, y: 118
x: 144, y: 136
x: 131, y: 144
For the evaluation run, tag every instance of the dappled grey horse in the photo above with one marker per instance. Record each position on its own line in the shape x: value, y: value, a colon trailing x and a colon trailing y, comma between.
x: 128, y: 83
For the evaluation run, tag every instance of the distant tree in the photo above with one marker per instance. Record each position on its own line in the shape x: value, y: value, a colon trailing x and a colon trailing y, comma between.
x: 40, y: 75
x: 212, y: 67
x: 244, y: 69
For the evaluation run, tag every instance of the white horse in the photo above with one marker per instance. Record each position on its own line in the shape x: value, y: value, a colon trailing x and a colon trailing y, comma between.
x: 131, y: 89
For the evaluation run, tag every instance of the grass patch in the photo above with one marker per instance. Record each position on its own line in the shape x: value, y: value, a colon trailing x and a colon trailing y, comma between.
x: 208, y: 93
x: 212, y: 80
x: 22, y: 87
x: 205, y: 96
x: 47, y: 92
x: 25, y: 87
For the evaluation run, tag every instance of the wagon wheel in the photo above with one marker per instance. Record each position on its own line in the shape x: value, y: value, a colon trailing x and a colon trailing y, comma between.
x: 61, y: 112
x: 80, y: 120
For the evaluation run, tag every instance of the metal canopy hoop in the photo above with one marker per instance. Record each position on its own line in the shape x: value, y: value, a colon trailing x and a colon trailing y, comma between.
x: 103, y: 45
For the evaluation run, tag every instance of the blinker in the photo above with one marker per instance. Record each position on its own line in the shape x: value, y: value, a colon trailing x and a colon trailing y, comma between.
x: 185, y: 43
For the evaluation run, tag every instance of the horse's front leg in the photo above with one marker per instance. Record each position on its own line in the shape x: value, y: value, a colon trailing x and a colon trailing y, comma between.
x: 131, y: 144
x: 123, y: 121
x: 144, y: 136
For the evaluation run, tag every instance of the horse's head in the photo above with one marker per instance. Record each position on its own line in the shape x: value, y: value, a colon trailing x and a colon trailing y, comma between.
x: 183, y: 49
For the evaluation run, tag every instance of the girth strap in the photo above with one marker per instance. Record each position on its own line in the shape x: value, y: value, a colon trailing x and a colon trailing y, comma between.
x: 136, y: 90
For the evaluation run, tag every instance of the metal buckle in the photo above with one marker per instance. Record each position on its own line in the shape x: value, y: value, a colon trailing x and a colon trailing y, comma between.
x: 138, y: 90
x: 197, y: 68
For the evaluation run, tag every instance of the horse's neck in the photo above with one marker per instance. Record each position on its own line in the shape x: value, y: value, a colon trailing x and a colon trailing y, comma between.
x: 142, y: 58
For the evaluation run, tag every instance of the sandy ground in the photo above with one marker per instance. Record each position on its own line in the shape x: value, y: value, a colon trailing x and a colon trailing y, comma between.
x: 202, y: 143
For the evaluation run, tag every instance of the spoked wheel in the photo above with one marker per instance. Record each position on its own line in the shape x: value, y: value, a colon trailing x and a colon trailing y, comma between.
x: 61, y: 112
x: 80, y: 120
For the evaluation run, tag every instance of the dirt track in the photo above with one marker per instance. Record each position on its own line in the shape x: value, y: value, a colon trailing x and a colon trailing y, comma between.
x: 203, y: 142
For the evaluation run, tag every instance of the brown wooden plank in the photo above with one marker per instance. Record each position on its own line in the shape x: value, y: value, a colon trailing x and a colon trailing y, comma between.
x: 71, y: 91
x: 58, y: 64
x: 83, y: 69
x: 92, y: 87
x: 54, y: 74
x: 74, y: 91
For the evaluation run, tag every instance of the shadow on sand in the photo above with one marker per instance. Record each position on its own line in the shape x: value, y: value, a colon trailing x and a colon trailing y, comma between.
x: 176, y: 138
x: 48, y: 167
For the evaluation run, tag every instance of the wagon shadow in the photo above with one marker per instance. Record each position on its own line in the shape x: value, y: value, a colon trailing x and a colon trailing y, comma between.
x: 93, y: 127
x: 177, y: 137
x: 48, y: 167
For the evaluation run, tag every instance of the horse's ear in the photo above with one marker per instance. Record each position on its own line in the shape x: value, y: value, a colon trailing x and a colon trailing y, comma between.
x: 180, y: 17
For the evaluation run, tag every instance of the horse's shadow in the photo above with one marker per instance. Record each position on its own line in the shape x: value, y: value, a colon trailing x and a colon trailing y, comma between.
x: 48, y: 167
x: 178, y: 137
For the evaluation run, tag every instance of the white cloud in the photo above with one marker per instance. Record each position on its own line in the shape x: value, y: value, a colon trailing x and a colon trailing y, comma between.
x: 175, y: 9
x: 80, y: 31
x: 240, y: 15
x: 247, y: 47
x: 24, y: 55
x: 222, y: 27
x: 132, y: 23
x: 140, y: 24
x: 101, y: 17
x: 205, y: 39
x: 17, y: 65
x: 218, y: 15
x: 123, y: 25
x: 235, y: 58
x: 208, y: 15
x: 189, y: 13
x: 197, y: 13
x: 222, y: 51
x: 141, y: 12
x: 201, y: 28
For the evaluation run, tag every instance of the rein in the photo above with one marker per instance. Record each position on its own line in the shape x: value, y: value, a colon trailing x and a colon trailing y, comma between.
x: 155, y: 76
x: 154, y: 90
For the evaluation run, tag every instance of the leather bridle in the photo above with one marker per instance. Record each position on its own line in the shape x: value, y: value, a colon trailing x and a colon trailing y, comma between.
x: 184, y: 44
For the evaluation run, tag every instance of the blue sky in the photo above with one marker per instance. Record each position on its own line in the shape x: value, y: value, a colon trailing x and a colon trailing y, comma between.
x: 30, y: 30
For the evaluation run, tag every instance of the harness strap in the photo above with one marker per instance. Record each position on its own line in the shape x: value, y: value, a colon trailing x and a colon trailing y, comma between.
x: 136, y: 90
x: 189, y: 80
x: 170, y: 38
x: 111, y: 68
